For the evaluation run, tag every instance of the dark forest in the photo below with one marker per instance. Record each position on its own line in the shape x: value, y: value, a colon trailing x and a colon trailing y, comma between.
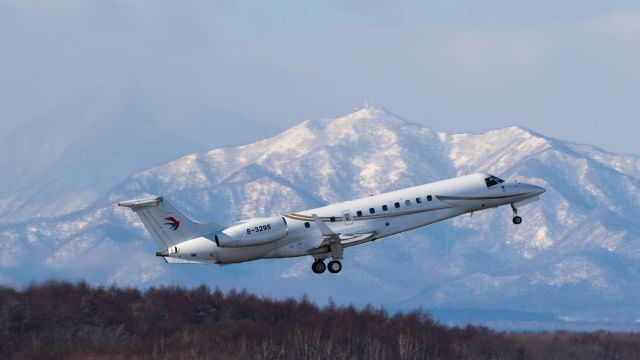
x: 76, y: 321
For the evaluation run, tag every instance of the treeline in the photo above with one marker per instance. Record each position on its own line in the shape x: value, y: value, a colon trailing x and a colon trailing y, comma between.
x: 77, y: 321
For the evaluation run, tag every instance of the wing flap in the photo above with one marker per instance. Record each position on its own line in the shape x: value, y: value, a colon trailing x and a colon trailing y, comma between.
x: 336, y: 241
x: 172, y: 260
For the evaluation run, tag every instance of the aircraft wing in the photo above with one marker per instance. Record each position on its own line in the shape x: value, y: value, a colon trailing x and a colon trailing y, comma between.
x: 172, y: 260
x: 332, y: 238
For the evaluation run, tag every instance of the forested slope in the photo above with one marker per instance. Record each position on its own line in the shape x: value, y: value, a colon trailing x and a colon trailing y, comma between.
x: 64, y: 320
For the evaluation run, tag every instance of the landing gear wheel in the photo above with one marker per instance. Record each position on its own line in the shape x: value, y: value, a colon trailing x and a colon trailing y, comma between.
x: 516, y: 219
x: 318, y: 267
x: 335, y: 266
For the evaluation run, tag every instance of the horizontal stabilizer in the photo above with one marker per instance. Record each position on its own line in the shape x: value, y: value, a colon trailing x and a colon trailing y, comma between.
x: 140, y: 203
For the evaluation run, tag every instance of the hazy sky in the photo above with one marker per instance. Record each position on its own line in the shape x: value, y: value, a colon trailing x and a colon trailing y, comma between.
x: 569, y: 69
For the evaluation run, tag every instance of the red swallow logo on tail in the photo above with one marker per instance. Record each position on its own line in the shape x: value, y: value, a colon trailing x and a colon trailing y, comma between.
x: 173, y: 223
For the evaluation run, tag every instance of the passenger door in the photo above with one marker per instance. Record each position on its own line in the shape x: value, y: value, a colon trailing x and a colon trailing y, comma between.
x: 346, y: 217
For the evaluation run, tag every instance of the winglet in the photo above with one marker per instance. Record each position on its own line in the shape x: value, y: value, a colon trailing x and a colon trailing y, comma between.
x: 324, y: 229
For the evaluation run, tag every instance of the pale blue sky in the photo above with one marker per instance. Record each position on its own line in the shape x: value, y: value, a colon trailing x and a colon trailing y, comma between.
x: 568, y: 69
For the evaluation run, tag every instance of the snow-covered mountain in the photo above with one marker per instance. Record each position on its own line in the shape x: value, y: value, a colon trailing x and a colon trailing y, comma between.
x: 574, y: 259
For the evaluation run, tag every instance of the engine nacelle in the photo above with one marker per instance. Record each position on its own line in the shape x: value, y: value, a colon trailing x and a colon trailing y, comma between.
x: 252, y: 233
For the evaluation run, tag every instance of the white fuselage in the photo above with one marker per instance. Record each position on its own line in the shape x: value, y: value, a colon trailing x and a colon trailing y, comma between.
x: 392, y: 213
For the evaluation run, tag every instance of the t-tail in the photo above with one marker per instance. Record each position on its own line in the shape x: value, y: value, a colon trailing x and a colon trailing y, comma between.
x: 167, y: 226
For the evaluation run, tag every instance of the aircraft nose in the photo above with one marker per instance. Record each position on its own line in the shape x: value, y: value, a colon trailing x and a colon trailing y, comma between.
x: 537, y: 189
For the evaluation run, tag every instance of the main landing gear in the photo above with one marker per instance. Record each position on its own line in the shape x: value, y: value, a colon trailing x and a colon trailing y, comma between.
x: 334, y: 266
x: 516, y: 219
x: 319, y: 267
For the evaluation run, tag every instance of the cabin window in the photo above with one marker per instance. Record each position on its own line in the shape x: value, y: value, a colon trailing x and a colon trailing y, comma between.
x: 397, y: 205
x: 332, y: 219
x: 385, y: 208
x: 429, y: 197
x: 419, y: 201
x: 372, y: 211
x: 307, y: 225
x: 407, y: 202
x: 493, y: 180
x: 359, y: 213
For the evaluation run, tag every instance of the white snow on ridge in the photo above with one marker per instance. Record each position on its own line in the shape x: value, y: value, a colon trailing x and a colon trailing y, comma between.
x: 624, y: 164
x: 493, y: 151
x: 294, y: 142
x: 584, y: 220
x: 572, y: 271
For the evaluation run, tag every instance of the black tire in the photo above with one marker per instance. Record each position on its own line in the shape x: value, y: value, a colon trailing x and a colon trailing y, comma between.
x: 318, y: 267
x: 517, y: 220
x: 334, y: 266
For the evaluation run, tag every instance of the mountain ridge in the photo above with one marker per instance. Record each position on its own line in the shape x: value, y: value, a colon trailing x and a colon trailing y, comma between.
x: 574, y: 255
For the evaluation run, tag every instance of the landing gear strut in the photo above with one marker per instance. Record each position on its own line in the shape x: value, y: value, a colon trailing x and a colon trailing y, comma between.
x: 516, y: 219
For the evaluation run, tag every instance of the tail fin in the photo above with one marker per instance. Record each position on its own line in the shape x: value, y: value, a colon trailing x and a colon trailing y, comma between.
x: 166, y: 225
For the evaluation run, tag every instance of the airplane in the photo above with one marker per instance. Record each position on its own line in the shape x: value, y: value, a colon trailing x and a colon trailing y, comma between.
x: 326, y: 231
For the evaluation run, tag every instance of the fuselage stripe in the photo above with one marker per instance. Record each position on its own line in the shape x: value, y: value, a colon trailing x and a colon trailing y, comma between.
x: 301, y: 217
x: 444, y: 197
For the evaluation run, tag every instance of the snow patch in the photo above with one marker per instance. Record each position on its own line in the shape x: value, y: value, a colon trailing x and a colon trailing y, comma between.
x: 493, y: 151
x: 572, y: 271
x: 298, y: 270
x: 294, y: 142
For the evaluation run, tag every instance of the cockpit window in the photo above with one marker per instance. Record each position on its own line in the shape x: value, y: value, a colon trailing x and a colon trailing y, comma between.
x: 493, y: 180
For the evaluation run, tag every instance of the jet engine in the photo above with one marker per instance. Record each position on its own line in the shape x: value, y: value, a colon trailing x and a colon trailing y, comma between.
x: 252, y: 233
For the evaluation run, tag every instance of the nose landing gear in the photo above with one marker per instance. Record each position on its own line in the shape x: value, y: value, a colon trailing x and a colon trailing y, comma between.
x: 516, y: 219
